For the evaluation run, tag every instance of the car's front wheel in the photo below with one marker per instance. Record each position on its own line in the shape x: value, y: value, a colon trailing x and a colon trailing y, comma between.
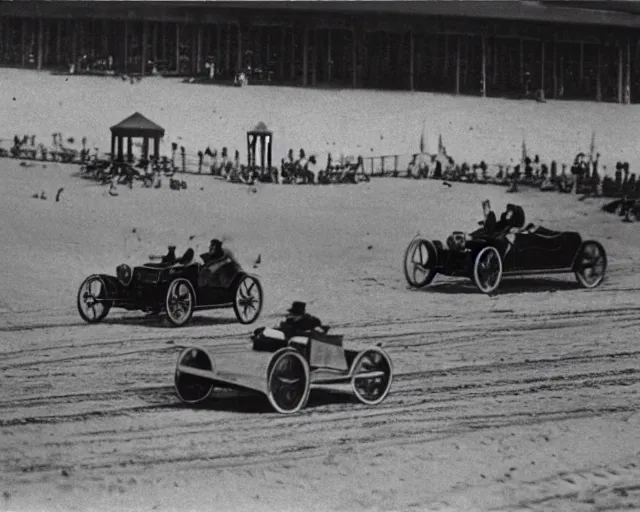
x: 247, y: 302
x: 487, y: 269
x: 180, y: 302
x: 591, y: 264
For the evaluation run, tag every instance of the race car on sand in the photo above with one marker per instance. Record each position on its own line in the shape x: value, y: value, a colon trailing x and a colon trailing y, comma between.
x: 502, y: 249
x: 178, y: 288
x: 286, y: 370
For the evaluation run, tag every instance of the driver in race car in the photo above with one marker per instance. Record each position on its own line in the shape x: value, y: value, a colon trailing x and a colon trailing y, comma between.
x: 297, y: 323
x: 213, y: 260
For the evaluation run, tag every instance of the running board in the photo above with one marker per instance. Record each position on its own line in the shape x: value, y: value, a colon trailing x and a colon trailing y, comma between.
x: 346, y: 378
x: 204, y: 307
x: 537, y: 272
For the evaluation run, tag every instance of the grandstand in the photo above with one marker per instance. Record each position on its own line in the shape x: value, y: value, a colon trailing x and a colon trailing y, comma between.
x: 543, y: 49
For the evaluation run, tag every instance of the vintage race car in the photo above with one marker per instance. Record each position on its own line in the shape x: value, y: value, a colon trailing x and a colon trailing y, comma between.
x: 286, y: 375
x: 178, y: 289
x: 510, y: 250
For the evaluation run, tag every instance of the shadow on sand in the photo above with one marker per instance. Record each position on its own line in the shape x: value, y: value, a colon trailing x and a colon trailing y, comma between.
x: 224, y: 400
x: 162, y: 322
x: 509, y: 285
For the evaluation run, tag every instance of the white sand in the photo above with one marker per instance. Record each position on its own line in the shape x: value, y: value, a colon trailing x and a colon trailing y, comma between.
x: 523, y: 401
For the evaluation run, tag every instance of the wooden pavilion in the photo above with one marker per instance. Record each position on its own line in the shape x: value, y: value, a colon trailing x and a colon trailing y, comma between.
x: 135, y: 126
x: 263, y: 135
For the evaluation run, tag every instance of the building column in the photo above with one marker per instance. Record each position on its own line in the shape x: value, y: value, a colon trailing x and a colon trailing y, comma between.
x: 239, y: 60
x: 23, y: 43
x: 144, y: 56
x: 483, y: 86
x: 354, y: 60
x: 627, y: 87
x: 329, y: 53
x: 268, y: 49
x: 599, y: 74
x: 227, y: 53
x: 411, y: 60
x: 40, y: 44
x: 305, y: 55
x: 521, y: 63
x: 129, y: 150
x: 59, y: 33
x: 314, y: 59
x: 199, y: 50
x: 293, y: 52
x: 620, y: 73
x: 581, y: 72
x: 154, y: 42
x: 281, y: 56
x: 542, y: 59
x: 74, y: 43
x: 218, y: 47
x: 555, y: 70
x: 458, y: 65
x: 126, y: 46
x: 120, y: 156
x: 178, y: 47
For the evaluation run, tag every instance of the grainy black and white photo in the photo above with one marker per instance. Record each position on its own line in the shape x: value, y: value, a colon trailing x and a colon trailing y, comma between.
x: 326, y: 255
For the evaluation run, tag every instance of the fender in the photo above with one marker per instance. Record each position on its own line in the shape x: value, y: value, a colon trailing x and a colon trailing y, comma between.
x: 114, y: 289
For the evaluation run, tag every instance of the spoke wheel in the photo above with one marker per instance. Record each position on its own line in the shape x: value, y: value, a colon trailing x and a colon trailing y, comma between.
x: 192, y: 389
x: 180, y: 302
x: 91, y: 300
x: 420, y: 260
x: 247, y: 303
x: 591, y: 264
x: 487, y: 270
x: 372, y: 375
x: 288, y: 381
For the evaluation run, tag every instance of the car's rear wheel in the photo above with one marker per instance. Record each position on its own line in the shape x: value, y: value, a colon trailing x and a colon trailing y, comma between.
x: 191, y: 382
x: 92, y: 296
x: 487, y: 269
x: 180, y: 302
x: 591, y: 264
x: 420, y: 263
x: 247, y: 302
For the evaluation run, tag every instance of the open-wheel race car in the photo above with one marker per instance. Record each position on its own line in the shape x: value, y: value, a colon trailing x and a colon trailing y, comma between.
x: 285, y: 371
x: 505, y: 249
x: 178, y: 289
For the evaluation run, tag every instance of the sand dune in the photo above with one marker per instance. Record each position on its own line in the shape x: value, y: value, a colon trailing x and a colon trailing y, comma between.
x: 526, y: 400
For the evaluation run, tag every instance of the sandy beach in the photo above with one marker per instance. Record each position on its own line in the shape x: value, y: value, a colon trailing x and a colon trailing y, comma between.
x: 526, y: 400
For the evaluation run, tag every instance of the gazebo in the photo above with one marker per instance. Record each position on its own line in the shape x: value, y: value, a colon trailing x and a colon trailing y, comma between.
x: 263, y: 134
x: 135, y: 126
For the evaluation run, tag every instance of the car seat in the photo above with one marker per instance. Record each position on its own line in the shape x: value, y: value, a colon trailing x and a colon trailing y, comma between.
x: 187, y: 257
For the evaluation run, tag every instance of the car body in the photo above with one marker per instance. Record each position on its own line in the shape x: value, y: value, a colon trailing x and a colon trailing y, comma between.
x: 286, y: 370
x: 178, y: 289
x: 487, y: 256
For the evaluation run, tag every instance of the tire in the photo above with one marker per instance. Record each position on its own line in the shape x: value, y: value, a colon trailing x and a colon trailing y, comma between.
x: 591, y: 256
x: 373, y: 389
x: 288, y: 381
x: 180, y: 302
x: 487, y: 269
x: 86, y: 300
x: 247, y: 300
x: 419, y: 273
x: 193, y: 389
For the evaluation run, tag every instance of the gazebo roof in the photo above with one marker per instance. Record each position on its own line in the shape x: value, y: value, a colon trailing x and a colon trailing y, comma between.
x: 136, y: 125
x: 260, y: 128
